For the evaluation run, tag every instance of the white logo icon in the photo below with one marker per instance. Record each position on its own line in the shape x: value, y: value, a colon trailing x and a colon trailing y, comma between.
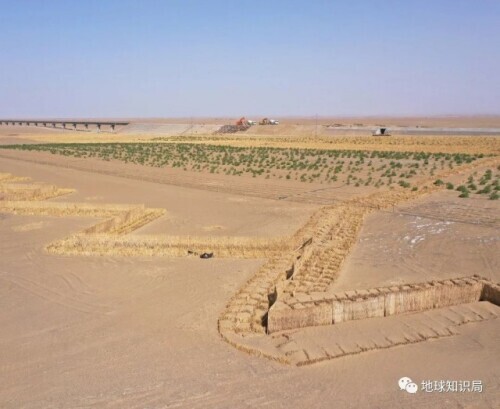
x: 403, y: 382
x: 412, y: 387
x: 406, y: 384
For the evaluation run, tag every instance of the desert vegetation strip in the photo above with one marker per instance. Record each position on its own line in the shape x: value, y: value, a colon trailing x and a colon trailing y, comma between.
x: 487, y: 184
x: 356, y: 168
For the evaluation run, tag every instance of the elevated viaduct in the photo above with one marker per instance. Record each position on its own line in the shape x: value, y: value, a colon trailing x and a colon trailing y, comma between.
x: 74, y: 125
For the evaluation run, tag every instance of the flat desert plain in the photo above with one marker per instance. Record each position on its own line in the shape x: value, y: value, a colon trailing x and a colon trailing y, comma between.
x: 106, y: 303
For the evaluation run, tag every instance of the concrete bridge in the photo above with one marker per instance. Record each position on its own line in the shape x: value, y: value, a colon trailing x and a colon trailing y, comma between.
x: 66, y: 124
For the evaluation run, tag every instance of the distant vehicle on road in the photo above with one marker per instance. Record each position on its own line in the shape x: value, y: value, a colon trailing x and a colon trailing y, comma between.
x: 267, y: 121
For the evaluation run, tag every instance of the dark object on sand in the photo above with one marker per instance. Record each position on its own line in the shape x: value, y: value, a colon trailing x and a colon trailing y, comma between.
x: 207, y: 255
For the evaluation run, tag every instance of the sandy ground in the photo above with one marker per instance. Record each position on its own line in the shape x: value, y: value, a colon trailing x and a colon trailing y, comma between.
x: 189, y: 211
x: 109, y: 332
x: 105, y: 332
x: 440, y: 236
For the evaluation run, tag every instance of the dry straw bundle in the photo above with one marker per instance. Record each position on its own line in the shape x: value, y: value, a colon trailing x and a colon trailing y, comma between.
x: 225, y: 247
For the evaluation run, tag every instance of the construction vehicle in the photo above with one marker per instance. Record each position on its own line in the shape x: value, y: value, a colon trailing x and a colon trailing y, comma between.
x: 245, y: 122
x: 267, y: 121
x: 240, y: 125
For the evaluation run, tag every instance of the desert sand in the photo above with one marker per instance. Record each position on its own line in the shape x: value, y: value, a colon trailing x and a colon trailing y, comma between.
x: 114, y: 331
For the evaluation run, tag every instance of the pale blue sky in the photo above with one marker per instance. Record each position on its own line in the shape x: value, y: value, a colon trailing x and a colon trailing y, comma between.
x: 124, y: 58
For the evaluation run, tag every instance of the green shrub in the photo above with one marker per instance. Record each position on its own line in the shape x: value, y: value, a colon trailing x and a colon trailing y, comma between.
x: 486, y: 190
